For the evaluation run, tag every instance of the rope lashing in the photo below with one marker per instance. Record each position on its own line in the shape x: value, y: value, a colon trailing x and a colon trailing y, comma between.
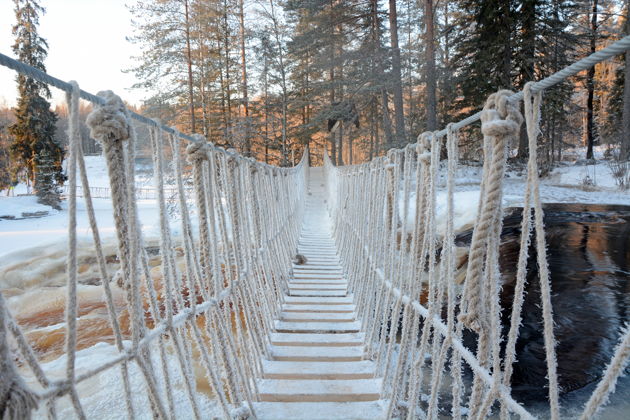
x: 501, y: 121
x: 500, y: 124
x: 109, y: 124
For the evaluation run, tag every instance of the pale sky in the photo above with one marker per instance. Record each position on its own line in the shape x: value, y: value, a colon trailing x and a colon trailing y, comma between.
x: 86, y: 43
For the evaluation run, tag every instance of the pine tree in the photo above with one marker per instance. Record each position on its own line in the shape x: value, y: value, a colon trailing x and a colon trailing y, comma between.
x: 48, y: 191
x: 5, y: 140
x: 484, y: 49
x: 34, y: 148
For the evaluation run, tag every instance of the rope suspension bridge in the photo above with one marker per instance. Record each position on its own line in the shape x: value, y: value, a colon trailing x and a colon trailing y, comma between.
x: 298, y: 291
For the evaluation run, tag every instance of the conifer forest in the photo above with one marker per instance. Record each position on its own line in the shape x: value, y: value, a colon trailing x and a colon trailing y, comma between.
x: 357, y: 77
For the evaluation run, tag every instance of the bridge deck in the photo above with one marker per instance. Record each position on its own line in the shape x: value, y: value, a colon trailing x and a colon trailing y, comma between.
x: 318, y: 371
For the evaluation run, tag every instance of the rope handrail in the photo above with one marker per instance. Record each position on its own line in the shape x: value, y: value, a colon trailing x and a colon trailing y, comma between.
x: 37, y: 74
x: 234, y: 263
x: 384, y: 216
x: 222, y: 281
x: 585, y: 63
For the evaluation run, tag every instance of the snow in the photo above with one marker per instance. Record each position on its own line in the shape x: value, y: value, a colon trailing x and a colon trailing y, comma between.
x: 51, y: 231
x: 564, y: 185
x: 102, y: 396
x: 17, y: 206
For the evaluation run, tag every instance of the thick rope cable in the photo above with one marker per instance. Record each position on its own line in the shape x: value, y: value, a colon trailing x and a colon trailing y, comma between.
x: 110, y: 126
x: 74, y: 137
x: 613, y: 371
x: 532, y: 105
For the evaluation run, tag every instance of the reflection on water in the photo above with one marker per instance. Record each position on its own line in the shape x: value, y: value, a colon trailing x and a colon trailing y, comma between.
x: 589, y: 257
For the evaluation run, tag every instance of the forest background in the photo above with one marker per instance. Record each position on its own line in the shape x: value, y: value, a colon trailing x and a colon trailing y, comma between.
x: 358, y: 77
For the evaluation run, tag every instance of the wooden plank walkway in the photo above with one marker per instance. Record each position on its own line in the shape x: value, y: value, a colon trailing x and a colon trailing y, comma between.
x: 318, y: 371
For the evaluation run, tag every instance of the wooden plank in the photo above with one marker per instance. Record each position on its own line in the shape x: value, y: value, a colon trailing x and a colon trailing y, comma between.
x: 373, y: 410
x: 326, y: 340
x: 317, y: 354
x: 324, y: 327
x: 364, y: 369
x: 283, y: 390
x: 317, y: 317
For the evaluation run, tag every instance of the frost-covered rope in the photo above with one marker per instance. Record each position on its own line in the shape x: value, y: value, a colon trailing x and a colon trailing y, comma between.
x: 612, y: 50
x: 74, y: 137
x: 16, y: 400
x: 532, y: 105
x: 249, y: 215
x: 613, y: 371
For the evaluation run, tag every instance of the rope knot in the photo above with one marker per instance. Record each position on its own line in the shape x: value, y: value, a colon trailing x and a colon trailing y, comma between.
x: 109, y: 123
x: 197, y: 151
x: 424, y: 142
x: 501, y: 116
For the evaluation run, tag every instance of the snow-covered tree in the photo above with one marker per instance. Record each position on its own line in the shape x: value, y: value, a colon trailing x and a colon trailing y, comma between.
x: 34, y: 129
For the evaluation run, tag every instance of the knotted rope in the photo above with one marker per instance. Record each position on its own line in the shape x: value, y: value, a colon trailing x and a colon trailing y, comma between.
x: 110, y: 126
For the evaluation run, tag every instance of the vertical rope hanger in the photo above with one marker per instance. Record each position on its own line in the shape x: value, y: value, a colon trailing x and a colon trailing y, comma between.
x: 437, y: 337
x: 71, y: 266
x: 110, y: 126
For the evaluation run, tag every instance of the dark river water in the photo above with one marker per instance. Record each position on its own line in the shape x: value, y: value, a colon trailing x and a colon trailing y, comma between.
x: 589, y: 260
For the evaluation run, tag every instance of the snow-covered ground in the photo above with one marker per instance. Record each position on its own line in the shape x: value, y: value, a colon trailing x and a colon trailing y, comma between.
x: 103, y: 397
x: 16, y: 235
x: 567, y: 183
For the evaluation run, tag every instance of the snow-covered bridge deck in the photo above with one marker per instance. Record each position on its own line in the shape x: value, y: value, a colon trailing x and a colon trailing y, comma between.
x: 318, y: 369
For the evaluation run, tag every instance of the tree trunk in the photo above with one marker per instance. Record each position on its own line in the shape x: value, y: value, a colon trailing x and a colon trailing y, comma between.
x: 625, y: 129
x: 228, y: 93
x: 350, y: 151
x: 331, y: 78
x: 247, y: 147
x: 202, y: 86
x: 283, y: 80
x: 372, y: 129
x: 340, y: 97
x: 379, y: 73
x: 224, y: 109
x: 340, y: 144
x: 266, y: 103
x: 430, y: 66
x: 506, y: 75
x: 191, y: 99
x: 396, y: 74
x: 387, y: 123
x: 590, y: 85
x: 528, y: 51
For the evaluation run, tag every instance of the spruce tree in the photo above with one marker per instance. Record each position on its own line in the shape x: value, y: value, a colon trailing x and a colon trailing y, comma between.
x: 34, y: 149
